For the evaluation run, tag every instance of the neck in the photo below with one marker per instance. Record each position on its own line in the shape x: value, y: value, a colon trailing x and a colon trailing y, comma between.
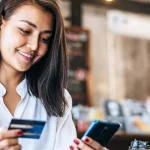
x: 10, y: 77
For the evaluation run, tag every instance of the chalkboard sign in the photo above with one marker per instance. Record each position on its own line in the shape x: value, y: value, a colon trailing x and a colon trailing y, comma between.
x: 77, y: 48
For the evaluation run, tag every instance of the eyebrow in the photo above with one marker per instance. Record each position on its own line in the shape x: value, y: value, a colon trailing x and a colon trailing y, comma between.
x: 34, y: 26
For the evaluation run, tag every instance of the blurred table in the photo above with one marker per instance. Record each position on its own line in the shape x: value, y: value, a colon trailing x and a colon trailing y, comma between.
x: 122, y: 141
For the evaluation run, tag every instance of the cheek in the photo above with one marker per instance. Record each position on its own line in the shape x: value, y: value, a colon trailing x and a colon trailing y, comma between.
x: 43, y: 50
x: 40, y: 55
x: 11, y: 40
x: 5, y: 42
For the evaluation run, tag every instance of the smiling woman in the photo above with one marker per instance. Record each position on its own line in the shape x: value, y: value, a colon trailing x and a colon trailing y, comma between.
x: 33, y: 72
x: 31, y: 36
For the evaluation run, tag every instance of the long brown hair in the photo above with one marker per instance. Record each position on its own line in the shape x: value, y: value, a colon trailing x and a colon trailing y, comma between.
x: 46, y: 79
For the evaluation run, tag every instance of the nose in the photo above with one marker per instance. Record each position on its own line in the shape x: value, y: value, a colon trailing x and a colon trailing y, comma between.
x: 33, y: 44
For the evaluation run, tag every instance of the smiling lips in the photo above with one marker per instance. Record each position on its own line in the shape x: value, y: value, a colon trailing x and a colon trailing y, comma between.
x: 26, y: 56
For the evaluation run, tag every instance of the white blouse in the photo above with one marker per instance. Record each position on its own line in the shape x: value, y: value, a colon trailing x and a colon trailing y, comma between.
x: 58, y: 132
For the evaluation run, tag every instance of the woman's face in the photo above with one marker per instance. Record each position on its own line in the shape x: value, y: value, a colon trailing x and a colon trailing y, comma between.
x: 24, y: 37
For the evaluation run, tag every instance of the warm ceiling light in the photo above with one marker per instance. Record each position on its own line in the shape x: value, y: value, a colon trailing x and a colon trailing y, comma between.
x: 109, y: 0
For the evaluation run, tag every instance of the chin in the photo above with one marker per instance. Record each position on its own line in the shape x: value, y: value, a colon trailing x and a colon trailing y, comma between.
x: 23, y: 69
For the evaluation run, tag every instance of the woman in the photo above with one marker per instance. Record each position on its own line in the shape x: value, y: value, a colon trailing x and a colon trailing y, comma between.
x: 33, y: 72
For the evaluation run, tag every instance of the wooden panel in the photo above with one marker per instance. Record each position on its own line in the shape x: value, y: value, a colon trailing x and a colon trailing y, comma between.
x: 129, y: 70
x: 120, y: 66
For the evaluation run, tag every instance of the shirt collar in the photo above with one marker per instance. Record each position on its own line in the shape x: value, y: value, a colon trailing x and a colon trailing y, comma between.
x: 2, y: 90
x: 21, y: 89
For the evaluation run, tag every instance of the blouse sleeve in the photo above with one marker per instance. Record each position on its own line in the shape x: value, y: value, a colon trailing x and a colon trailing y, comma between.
x: 66, y: 131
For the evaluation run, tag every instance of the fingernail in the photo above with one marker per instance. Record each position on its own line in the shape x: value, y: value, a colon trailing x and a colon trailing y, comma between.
x: 86, y: 140
x: 76, y: 142
x: 71, y: 147
x: 19, y: 132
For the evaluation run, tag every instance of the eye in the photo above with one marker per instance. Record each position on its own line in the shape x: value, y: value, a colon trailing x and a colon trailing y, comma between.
x: 45, y: 40
x: 26, y: 32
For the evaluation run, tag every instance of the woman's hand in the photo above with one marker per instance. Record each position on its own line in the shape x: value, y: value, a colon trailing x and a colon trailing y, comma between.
x: 86, y: 144
x: 9, y: 139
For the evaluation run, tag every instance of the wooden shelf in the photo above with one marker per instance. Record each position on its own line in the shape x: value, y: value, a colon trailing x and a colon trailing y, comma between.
x: 77, y: 40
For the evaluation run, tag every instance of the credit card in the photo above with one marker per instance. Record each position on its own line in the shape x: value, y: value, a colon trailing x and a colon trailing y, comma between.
x: 31, y: 128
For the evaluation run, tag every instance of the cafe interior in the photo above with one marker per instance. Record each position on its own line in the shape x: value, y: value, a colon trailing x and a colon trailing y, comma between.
x: 108, y: 47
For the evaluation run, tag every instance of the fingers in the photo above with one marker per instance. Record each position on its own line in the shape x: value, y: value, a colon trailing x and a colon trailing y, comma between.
x: 92, y: 143
x: 9, y: 140
x: 16, y: 147
x: 86, y: 144
x: 79, y: 145
x: 8, y: 143
x: 4, y: 134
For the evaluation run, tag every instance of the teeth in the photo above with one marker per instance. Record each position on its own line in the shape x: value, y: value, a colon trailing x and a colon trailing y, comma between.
x: 26, y: 55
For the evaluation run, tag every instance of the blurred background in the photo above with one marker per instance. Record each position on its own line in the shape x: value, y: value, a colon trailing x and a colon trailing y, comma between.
x: 108, y: 46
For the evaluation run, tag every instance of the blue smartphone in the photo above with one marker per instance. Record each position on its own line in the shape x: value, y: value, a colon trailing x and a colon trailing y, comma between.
x: 102, y: 132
